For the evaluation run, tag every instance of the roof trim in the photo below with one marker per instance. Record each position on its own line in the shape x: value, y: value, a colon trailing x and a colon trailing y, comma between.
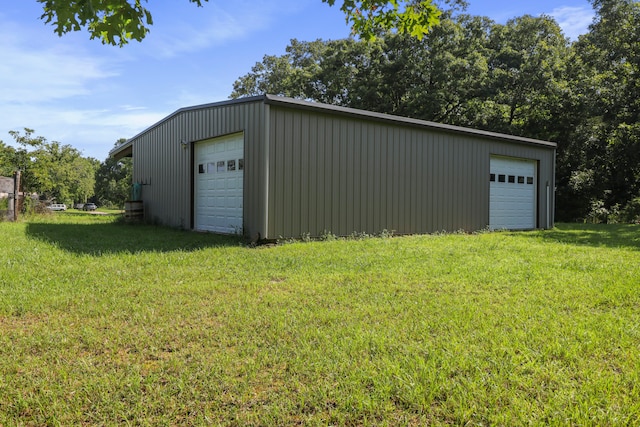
x: 279, y: 100
x: 120, y: 152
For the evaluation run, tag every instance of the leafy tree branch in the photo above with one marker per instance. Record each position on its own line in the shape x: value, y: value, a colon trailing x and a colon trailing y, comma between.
x: 116, y: 22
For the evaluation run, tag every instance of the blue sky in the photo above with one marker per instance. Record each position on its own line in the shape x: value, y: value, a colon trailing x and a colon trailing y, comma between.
x: 78, y: 92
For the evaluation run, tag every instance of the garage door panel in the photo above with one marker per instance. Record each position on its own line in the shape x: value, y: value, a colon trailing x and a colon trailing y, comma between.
x: 512, y: 202
x: 218, y: 193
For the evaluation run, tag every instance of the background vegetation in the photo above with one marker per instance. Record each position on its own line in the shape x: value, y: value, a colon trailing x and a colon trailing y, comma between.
x: 57, y: 172
x: 523, y: 77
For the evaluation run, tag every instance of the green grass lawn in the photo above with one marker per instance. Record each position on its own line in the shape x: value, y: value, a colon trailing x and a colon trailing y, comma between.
x: 107, y: 323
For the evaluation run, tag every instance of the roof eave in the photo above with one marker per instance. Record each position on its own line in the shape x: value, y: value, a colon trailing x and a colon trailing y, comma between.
x: 279, y: 100
x: 122, y: 151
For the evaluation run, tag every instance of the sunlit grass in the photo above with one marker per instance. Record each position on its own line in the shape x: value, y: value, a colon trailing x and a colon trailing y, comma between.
x: 107, y: 323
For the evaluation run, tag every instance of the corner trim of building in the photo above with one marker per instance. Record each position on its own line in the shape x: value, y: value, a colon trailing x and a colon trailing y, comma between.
x: 267, y: 132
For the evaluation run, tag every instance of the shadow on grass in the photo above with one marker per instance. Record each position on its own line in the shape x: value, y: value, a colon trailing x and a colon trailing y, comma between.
x: 114, y: 238
x: 598, y: 235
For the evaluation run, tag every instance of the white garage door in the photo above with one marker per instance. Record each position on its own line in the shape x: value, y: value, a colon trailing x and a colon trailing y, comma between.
x: 218, y: 184
x: 512, y: 194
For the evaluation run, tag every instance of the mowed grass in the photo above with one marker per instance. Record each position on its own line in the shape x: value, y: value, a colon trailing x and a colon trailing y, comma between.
x: 107, y: 323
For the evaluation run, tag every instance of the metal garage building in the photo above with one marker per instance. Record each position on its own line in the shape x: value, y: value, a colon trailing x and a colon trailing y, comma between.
x: 280, y: 167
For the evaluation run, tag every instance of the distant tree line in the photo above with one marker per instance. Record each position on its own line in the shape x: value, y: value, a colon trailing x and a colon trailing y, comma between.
x: 523, y: 78
x: 57, y: 172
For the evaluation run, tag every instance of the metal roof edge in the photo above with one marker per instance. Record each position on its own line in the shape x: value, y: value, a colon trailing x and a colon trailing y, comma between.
x: 353, y: 112
x: 281, y: 100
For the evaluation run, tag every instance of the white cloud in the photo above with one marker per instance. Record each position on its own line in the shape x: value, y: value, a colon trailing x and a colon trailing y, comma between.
x: 40, y: 73
x: 574, y: 21
x: 218, y: 29
x: 127, y: 107
x: 93, y: 131
x: 46, y: 81
x: 201, y: 28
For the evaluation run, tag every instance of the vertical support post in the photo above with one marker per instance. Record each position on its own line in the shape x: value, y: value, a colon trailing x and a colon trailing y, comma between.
x: 548, y: 206
x: 16, y: 194
x: 11, y: 206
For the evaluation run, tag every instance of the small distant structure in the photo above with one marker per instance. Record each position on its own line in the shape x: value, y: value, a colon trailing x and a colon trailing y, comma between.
x: 10, y: 192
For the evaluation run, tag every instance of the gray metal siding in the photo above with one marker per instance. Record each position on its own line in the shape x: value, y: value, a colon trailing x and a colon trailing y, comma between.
x: 343, y: 174
x: 164, y: 166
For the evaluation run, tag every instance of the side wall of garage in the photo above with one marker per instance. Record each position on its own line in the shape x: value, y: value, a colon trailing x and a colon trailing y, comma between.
x: 163, y: 160
x: 346, y: 174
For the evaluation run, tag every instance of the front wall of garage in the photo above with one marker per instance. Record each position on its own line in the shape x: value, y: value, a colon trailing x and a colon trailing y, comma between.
x: 164, y: 165
x: 329, y: 172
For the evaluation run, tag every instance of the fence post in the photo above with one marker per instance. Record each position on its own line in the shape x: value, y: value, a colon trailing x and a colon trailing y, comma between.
x: 16, y: 194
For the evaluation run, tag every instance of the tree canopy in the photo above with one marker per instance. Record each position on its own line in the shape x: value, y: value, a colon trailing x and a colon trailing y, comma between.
x: 467, y: 71
x: 116, y: 22
x: 50, y: 169
x: 58, y: 172
x: 113, y: 180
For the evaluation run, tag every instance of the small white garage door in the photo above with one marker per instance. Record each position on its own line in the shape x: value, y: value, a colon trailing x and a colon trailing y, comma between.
x: 218, y: 184
x: 512, y: 193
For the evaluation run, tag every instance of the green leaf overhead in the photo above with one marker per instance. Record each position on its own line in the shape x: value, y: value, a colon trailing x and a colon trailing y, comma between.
x: 368, y: 17
x: 116, y: 22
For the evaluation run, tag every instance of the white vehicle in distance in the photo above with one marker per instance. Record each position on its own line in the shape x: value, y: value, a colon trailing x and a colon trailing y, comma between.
x: 57, y: 207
